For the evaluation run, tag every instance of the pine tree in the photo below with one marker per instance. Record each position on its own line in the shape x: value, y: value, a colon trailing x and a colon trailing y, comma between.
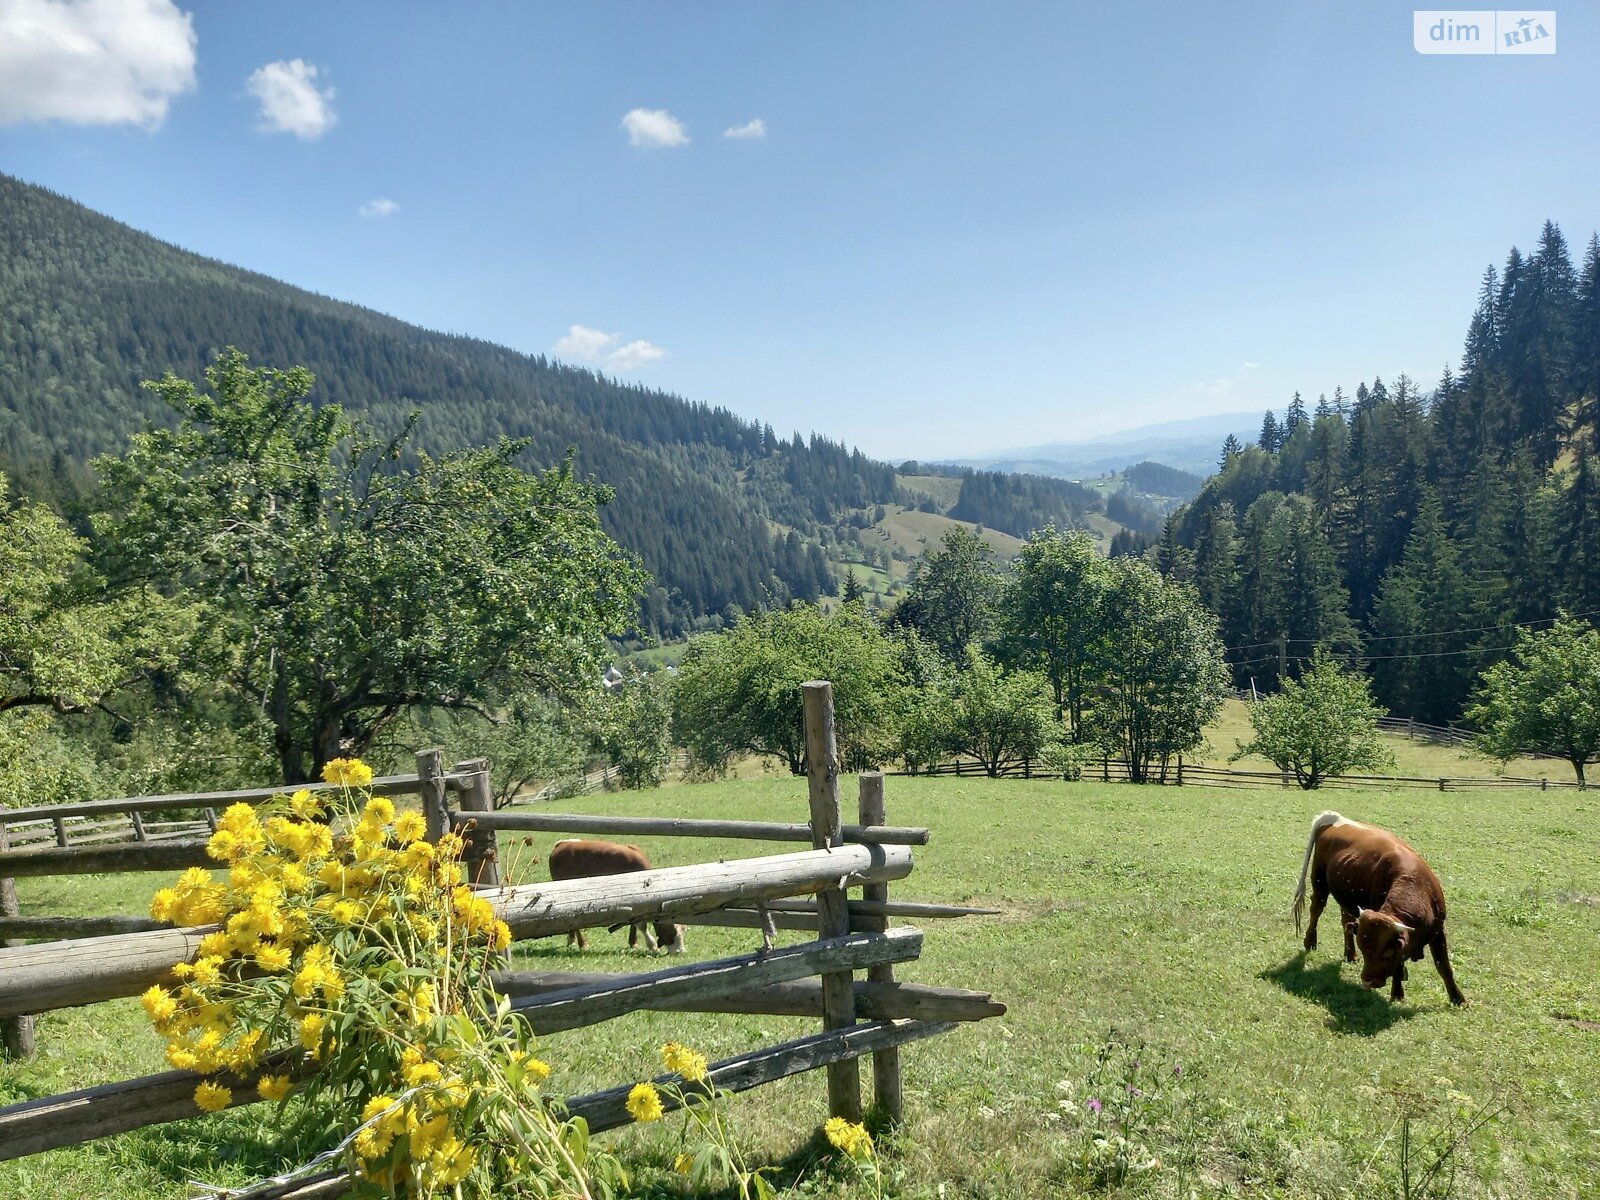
x: 1271, y: 436
x: 1421, y: 663
x: 1230, y: 447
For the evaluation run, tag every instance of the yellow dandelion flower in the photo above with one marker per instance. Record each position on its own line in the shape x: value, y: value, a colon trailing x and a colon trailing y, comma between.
x: 451, y: 845
x: 272, y: 958
x: 853, y: 1139
x: 212, y: 1097
x: 164, y: 904
x: 273, y: 1087
x: 379, y: 810
x: 683, y: 1164
x: 409, y: 827
x: 159, y: 1005
x: 347, y: 772
x: 499, y: 936
x: 311, y: 1030
x: 451, y: 1162
x: 691, y: 1064
x: 644, y: 1103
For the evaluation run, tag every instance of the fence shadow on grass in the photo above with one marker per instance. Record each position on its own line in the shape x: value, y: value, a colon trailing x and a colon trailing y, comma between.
x: 1351, y: 1007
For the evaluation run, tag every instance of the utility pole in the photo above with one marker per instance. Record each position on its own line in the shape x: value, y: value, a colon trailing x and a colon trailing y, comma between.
x: 1283, y: 657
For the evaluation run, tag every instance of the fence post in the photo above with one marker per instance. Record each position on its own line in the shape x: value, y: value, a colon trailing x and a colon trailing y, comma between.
x: 481, y: 857
x: 15, y: 1032
x: 430, y: 777
x: 833, y: 914
x: 1180, y: 770
x: 886, y: 1093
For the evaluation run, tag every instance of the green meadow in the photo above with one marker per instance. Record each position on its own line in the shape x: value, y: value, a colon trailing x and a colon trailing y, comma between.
x: 1165, y: 1036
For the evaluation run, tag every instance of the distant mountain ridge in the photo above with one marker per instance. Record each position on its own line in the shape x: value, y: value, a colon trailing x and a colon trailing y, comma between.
x: 1190, y: 444
x: 723, y: 512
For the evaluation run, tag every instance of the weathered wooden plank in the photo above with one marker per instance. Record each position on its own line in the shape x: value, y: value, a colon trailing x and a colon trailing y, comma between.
x: 887, y: 1095
x: 833, y: 919
x: 69, y: 928
x: 592, y: 1003
x: 679, y: 892
x: 802, y: 914
x: 16, y: 1033
x: 798, y: 998
x: 608, y: 1109
x: 385, y: 785
x: 767, y: 831
x: 481, y: 858
x: 72, y: 1118
x: 53, y: 975
x: 433, y: 792
x: 164, y: 855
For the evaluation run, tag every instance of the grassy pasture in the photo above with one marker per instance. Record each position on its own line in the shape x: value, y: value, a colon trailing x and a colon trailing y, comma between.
x: 1139, y: 923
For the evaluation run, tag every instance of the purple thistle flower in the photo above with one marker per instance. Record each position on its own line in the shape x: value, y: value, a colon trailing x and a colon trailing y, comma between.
x: 1094, y: 1105
x: 1133, y: 1091
x: 1177, y: 1068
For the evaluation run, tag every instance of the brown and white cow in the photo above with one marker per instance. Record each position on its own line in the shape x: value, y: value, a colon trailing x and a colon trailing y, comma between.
x: 1392, y: 902
x: 581, y: 858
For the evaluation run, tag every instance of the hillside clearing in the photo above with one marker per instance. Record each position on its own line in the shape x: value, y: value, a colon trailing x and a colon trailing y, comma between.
x: 1150, y: 921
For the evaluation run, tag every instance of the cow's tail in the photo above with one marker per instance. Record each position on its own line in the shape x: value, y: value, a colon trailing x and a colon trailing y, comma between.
x: 1317, y: 826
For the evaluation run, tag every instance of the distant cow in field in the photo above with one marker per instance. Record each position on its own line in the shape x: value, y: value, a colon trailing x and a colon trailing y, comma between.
x: 579, y: 858
x: 1392, y: 902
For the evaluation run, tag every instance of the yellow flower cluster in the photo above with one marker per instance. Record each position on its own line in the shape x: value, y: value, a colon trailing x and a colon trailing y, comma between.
x: 691, y: 1064
x: 849, y: 1137
x: 348, y: 772
x: 428, y: 1120
x: 320, y: 897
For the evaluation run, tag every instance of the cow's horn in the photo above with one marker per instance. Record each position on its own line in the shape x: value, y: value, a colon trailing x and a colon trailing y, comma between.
x: 1403, y: 928
x: 1359, y: 911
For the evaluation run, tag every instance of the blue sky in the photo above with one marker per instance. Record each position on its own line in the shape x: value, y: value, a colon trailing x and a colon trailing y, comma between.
x: 966, y: 226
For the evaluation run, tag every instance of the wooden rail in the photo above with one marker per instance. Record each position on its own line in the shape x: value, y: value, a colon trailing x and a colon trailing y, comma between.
x: 756, y: 831
x: 53, y: 975
x: 1111, y: 770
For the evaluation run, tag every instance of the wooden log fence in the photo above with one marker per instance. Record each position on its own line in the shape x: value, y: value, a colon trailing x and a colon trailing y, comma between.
x: 1179, y: 773
x: 98, y: 958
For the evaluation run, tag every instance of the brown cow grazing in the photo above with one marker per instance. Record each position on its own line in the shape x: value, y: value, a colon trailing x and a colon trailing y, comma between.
x: 1393, y: 903
x: 580, y: 858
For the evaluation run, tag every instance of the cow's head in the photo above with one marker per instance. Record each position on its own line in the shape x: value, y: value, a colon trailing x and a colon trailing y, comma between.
x: 669, y: 937
x: 1384, y: 943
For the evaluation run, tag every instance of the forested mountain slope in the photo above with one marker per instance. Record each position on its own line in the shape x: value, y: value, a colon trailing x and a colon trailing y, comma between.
x: 89, y: 307
x: 1418, y: 530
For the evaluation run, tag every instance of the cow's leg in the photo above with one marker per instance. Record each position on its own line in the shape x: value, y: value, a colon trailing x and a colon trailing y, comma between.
x: 577, y: 936
x: 1398, y: 991
x: 1319, y: 901
x: 1347, y: 919
x: 649, y: 936
x: 1441, y: 960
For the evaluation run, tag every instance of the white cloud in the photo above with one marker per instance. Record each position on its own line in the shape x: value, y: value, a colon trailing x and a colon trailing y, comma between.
x: 380, y: 207
x: 291, y: 101
x: 583, y: 344
x: 654, y: 127
x: 634, y: 355
x: 749, y: 130
x: 93, y: 62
